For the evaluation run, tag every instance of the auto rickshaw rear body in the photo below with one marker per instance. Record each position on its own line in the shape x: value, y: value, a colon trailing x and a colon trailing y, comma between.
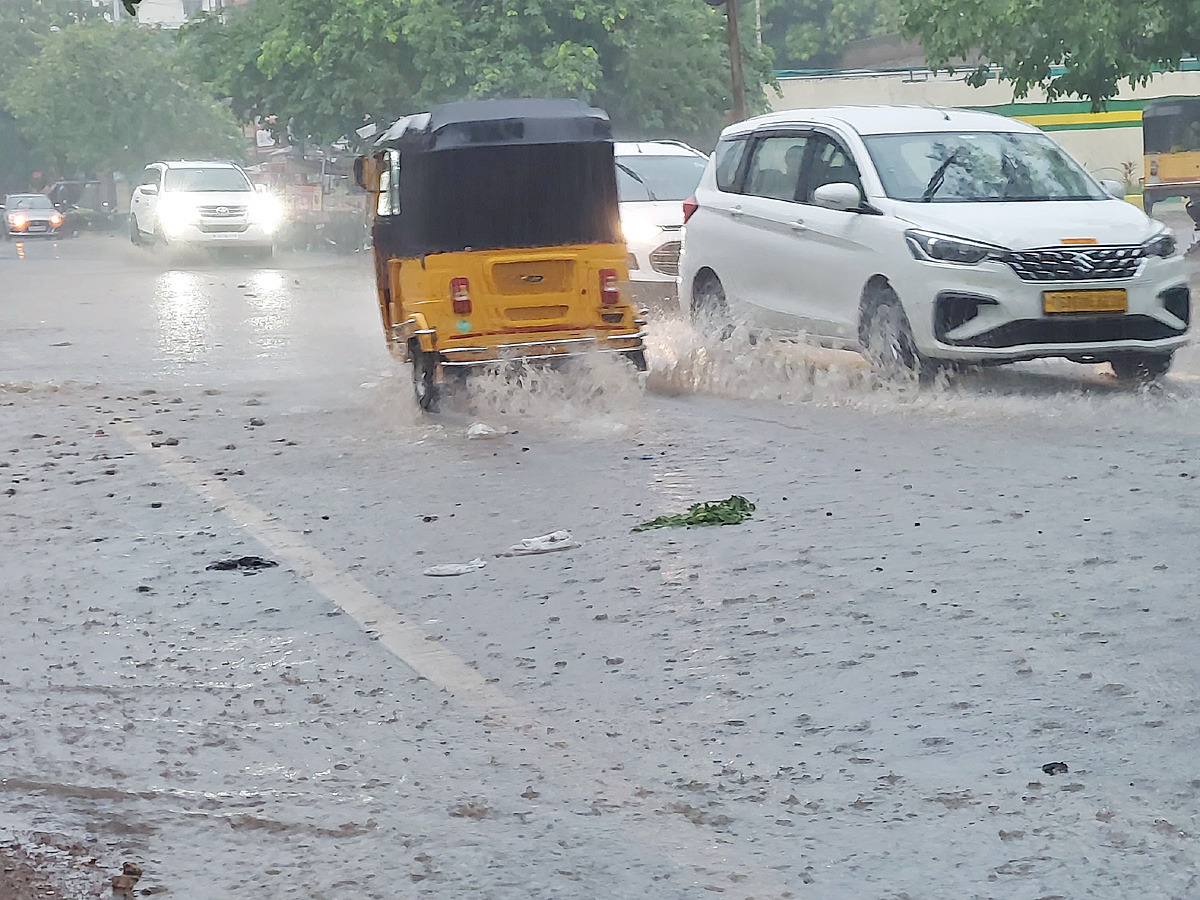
x: 1171, y: 142
x: 497, y: 237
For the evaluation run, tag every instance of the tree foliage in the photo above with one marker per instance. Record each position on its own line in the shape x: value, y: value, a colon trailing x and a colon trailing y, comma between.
x: 104, y: 97
x: 26, y: 24
x: 1098, y: 44
x: 658, y: 66
x: 815, y: 33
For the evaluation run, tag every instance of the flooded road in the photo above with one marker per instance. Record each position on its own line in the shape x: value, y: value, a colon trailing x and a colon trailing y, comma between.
x: 941, y: 592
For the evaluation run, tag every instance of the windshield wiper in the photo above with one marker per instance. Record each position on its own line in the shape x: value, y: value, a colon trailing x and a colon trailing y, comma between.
x: 935, y: 182
x: 638, y: 178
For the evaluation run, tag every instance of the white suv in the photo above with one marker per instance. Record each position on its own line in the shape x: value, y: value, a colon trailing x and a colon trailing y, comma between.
x: 207, y: 203
x: 921, y: 235
x: 653, y: 179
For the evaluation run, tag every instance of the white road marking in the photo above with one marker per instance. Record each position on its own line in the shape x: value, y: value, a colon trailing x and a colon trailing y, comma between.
x: 689, y: 847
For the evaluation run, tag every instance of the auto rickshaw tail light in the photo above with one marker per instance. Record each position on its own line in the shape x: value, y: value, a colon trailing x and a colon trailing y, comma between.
x: 610, y: 294
x: 689, y: 206
x: 460, y: 296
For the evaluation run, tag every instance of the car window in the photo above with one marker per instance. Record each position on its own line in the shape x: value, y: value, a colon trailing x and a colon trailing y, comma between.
x: 149, y: 176
x: 775, y: 167
x: 978, y: 167
x: 30, y: 201
x: 642, y: 176
x: 200, y: 179
x: 729, y: 155
x: 831, y: 164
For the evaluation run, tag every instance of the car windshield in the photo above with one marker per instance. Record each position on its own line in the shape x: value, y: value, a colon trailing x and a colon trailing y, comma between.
x: 975, y: 167
x: 661, y: 177
x: 30, y: 201
x: 202, y: 180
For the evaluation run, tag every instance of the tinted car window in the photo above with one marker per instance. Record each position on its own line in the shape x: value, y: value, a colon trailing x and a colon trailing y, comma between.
x: 197, y: 179
x: 644, y: 177
x: 149, y: 176
x: 831, y: 164
x: 775, y: 167
x: 729, y: 155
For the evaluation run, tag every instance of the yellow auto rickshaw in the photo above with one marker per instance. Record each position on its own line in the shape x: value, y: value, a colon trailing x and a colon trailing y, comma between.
x: 497, y: 237
x: 1171, y: 142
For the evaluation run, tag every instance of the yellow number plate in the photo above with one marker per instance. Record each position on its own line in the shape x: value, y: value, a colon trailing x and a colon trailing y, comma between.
x: 1084, y: 301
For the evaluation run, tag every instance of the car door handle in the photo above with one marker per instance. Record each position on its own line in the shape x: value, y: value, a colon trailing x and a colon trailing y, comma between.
x: 736, y: 211
x: 799, y: 225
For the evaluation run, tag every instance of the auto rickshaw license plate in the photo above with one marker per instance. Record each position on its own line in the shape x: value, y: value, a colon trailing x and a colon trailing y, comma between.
x: 1111, y: 301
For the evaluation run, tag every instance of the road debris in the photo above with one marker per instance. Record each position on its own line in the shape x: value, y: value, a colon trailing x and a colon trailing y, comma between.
x: 733, y: 511
x: 546, y: 543
x: 248, y: 564
x: 449, y: 569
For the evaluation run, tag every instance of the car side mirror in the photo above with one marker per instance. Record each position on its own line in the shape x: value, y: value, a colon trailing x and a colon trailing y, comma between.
x: 1113, y: 189
x: 841, y: 196
x: 149, y: 188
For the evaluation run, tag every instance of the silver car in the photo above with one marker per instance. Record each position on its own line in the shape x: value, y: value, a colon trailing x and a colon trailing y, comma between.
x: 29, y: 215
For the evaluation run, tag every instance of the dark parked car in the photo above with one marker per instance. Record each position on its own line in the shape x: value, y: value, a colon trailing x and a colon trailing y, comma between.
x: 26, y: 215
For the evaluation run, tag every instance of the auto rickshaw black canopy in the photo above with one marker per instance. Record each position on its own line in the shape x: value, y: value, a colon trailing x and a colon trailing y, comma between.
x: 1171, y: 126
x: 496, y: 174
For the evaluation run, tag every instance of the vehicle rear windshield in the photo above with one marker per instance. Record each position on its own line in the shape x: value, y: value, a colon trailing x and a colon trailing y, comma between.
x: 31, y: 201
x: 202, y: 180
x: 980, y: 166
x: 1171, y: 128
x: 641, y: 177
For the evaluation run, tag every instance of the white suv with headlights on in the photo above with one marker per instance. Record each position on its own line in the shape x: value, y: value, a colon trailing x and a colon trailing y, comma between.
x: 924, y: 235
x: 653, y: 179
x: 206, y: 203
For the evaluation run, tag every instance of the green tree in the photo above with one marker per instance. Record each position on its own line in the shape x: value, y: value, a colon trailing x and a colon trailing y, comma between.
x: 25, y: 24
x: 815, y: 33
x: 1098, y: 44
x: 103, y: 97
x: 658, y: 66
x: 326, y: 65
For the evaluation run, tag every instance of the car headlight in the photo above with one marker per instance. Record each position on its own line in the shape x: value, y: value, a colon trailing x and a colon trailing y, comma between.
x: 940, y: 248
x: 265, y: 212
x: 174, y: 215
x: 1162, y: 244
x: 18, y: 220
x: 639, y: 230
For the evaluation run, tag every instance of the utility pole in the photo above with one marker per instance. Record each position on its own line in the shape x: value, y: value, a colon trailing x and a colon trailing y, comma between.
x: 738, y: 81
x: 758, y: 22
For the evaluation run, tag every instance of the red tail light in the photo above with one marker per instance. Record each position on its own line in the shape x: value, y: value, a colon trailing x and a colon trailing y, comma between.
x: 610, y: 295
x: 689, y: 206
x: 460, y: 296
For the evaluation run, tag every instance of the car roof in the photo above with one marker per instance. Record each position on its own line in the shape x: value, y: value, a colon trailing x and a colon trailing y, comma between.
x: 197, y: 164
x: 873, y: 120
x: 654, y: 148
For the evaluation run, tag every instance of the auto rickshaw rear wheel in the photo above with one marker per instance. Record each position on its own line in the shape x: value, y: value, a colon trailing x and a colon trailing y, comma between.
x: 424, y: 373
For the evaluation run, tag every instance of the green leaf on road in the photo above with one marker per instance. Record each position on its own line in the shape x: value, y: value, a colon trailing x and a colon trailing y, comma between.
x: 733, y: 511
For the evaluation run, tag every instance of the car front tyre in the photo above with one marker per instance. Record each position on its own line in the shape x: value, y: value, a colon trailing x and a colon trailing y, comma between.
x: 1141, y: 367
x: 887, y: 339
x: 135, y: 232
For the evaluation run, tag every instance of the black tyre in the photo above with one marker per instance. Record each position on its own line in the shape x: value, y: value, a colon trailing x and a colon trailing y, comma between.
x: 887, y: 340
x: 708, y: 298
x: 1148, y: 204
x: 424, y: 373
x: 135, y: 233
x: 1141, y: 367
x: 638, y: 358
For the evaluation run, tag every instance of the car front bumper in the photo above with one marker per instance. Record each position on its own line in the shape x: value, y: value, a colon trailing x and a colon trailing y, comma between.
x: 654, y: 270
x: 229, y: 235
x: 986, y: 313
